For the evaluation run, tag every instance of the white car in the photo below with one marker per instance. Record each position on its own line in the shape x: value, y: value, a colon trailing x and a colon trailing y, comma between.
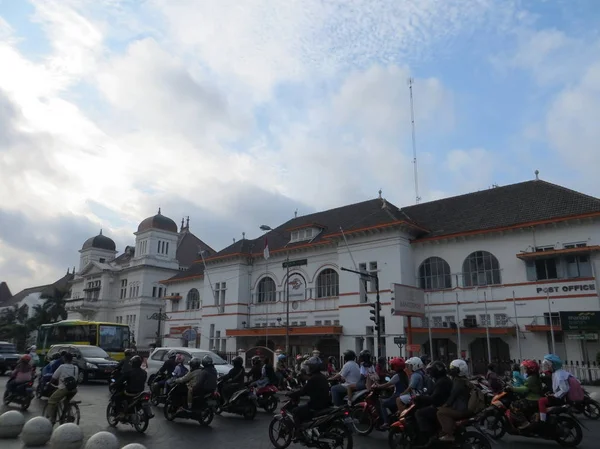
x: 159, y: 355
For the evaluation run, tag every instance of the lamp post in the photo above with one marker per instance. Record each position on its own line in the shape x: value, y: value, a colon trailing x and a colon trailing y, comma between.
x: 160, y: 317
x: 287, y: 292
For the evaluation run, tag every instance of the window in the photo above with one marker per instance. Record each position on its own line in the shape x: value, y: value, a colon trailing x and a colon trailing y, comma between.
x: 266, y: 290
x: 484, y: 320
x: 546, y: 269
x: 437, y: 321
x: 158, y: 355
x: 328, y: 284
x: 500, y: 319
x: 167, y: 249
x: 481, y: 268
x: 220, y: 289
x: 174, y: 306
x: 555, y: 319
x: 578, y: 266
x: 449, y: 319
x: 303, y: 235
x: 123, y: 288
x: 102, y: 260
x: 318, y: 322
x: 154, y: 292
x: 575, y: 266
x: 574, y: 245
x: 193, y: 300
x: 160, y: 292
x: 434, y: 274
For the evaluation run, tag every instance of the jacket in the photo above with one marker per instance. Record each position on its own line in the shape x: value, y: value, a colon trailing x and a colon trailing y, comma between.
x: 317, y: 389
x: 459, y: 395
x: 255, y: 373
x: 235, y: 375
x: 532, y: 388
x: 270, y: 374
x: 439, y: 395
x: 207, y: 379
x: 168, y: 367
x: 133, y: 380
x: 123, y: 366
x: 190, y: 378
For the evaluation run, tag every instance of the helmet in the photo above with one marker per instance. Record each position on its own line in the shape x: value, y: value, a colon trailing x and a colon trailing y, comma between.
x: 459, y: 368
x: 364, y: 356
x: 531, y: 367
x: 237, y: 361
x: 207, y: 361
x: 63, y: 353
x: 437, y: 370
x: 381, y: 360
x: 179, y: 358
x: 554, y: 361
x: 425, y: 359
x: 172, y: 354
x: 281, y: 357
x: 313, y: 365
x: 349, y: 354
x: 26, y: 358
x: 194, y: 363
x: 56, y: 356
x: 415, y: 363
x: 136, y: 361
x: 316, y: 353
x: 331, y: 359
x: 32, y: 348
x: 129, y: 352
x: 397, y: 364
x: 298, y: 357
x: 255, y: 360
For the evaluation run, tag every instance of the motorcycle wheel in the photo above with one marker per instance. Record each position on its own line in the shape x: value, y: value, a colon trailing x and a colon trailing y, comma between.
x: 111, y: 388
x: 111, y: 415
x: 341, y: 434
x: 141, y: 422
x: 398, y: 439
x: 206, y: 417
x: 493, y: 426
x: 25, y: 404
x: 363, y: 421
x: 249, y: 411
x: 562, y: 424
x: 271, y: 404
x: 170, y: 411
x: 591, y: 409
x: 281, y: 428
x: 475, y: 440
x: 154, y: 399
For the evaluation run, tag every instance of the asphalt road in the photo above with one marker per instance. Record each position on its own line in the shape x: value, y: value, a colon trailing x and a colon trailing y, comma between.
x: 226, y: 430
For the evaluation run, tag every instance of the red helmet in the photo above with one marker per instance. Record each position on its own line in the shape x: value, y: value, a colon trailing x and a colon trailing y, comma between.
x: 26, y: 358
x: 397, y: 364
x: 531, y: 366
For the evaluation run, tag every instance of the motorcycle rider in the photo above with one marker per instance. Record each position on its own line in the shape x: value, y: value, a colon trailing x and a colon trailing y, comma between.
x: 426, y: 415
x: 267, y: 375
x: 316, y: 388
x: 125, y: 365
x: 331, y: 369
x: 57, y: 360
x: 350, y: 374
x: 493, y: 380
x: 256, y: 369
x: 66, y: 375
x: 399, y: 382
x: 416, y: 382
x: 234, y: 379
x: 199, y: 381
x: 457, y: 405
x: 20, y: 375
x: 532, y: 388
x: 35, y: 358
x: 169, y: 365
x: 381, y: 369
x: 560, y: 384
x: 130, y: 384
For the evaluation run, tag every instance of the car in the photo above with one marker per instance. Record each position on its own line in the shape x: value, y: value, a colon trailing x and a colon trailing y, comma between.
x: 159, y: 355
x: 93, y: 362
x: 8, y: 356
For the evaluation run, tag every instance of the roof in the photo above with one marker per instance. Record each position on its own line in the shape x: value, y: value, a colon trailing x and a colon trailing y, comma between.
x: 196, y: 270
x: 5, y: 293
x: 501, y: 207
x: 189, y: 247
x: 61, y: 284
x: 158, y: 221
x: 100, y: 242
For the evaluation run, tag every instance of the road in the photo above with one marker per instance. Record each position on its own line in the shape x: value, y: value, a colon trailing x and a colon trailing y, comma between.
x: 227, y: 430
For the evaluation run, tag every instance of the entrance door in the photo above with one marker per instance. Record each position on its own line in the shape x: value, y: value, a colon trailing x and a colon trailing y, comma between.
x: 329, y: 347
x: 479, y: 355
x: 444, y: 349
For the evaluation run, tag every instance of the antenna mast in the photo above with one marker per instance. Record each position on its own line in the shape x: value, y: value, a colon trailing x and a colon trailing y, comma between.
x: 414, y: 140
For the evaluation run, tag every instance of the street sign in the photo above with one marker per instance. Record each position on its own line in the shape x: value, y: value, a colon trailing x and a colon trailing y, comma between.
x: 590, y: 337
x: 295, y: 263
x: 401, y: 340
x: 413, y: 348
x: 580, y: 321
x: 408, y: 301
x: 189, y: 335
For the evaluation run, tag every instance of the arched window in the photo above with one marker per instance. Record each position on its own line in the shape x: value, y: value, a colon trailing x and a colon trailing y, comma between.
x: 266, y: 290
x: 193, y: 300
x: 434, y: 274
x: 481, y: 268
x: 328, y: 284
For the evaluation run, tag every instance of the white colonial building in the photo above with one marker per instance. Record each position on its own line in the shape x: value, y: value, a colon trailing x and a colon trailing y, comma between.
x: 496, y: 263
x: 126, y: 288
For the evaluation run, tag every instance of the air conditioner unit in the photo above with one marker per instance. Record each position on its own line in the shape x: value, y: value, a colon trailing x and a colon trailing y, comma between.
x: 445, y: 324
x: 470, y: 322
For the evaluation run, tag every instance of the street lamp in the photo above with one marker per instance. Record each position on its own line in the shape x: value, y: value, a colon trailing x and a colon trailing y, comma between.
x: 287, y: 291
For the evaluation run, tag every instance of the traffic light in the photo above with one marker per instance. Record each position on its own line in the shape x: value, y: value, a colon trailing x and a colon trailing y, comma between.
x: 375, y: 310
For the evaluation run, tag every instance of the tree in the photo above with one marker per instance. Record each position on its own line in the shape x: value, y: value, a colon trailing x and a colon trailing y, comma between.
x: 55, y: 304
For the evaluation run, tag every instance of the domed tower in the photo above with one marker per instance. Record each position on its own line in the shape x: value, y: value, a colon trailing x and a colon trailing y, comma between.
x: 97, y: 249
x: 156, y: 239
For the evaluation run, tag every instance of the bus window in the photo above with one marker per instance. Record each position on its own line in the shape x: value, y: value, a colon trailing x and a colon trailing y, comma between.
x: 93, y: 335
x: 114, y: 338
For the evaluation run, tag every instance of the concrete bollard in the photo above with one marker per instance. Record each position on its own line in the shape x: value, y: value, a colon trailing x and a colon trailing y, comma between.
x: 37, y: 431
x: 11, y: 424
x: 102, y: 440
x: 67, y: 436
x: 134, y: 446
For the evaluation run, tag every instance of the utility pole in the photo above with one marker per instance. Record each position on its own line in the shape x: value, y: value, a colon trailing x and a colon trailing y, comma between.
x: 375, y: 307
x: 160, y: 317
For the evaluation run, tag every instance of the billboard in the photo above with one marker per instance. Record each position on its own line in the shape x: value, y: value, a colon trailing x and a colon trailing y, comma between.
x: 408, y: 301
x: 580, y: 321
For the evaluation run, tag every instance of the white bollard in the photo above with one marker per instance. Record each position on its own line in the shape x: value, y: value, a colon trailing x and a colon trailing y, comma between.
x: 11, y: 424
x: 102, y: 440
x: 134, y: 446
x: 37, y: 431
x: 67, y: 436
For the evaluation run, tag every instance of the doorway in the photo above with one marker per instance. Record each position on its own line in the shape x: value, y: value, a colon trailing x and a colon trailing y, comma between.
x: 500, y: 355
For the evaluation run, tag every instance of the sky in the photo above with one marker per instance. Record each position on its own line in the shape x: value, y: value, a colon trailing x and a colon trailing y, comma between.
x: 238, y: 113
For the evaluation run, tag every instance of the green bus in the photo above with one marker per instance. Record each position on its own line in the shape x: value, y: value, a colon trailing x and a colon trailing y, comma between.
x: 114, y: 338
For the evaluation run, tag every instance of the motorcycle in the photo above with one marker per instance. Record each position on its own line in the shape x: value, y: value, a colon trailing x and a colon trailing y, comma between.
x: 497, y: 420
x: 365, y: 414
x: 203, y: 408
x: 158, y: 393
x: 136, y: 411
x: 22, y: 395
x: 266, y: 397
x: 588, y: 407
x: 331, y: 427
x: 113, y: 380
x: 242, y: 402
x: 44, y: 388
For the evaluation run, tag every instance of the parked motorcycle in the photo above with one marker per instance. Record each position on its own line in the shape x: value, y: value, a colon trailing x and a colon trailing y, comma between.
x: 22, y: 395
x: 266, y: 397
x: 242, y: 402
x: 203, y: 408
x: 561, y: 425
x: 331, y: 427
x: 136, y: 411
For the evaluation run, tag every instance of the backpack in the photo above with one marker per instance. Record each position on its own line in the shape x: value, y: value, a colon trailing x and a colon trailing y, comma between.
x: 575, y: 393
x: 70, y: 381
x: 427, y: 382
x: 476, y: 400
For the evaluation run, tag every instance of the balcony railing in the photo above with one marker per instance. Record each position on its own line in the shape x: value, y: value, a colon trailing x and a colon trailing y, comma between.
x: 280, y: 295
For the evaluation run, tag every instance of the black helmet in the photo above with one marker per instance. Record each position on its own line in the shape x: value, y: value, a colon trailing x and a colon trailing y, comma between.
x: 136, y: 361
x: 195, y: 363
x: 207, y: 361
x: 129, y: 352
x: 331, y: 359
x: 382, y: 361
x: 172, y: 354
x: 56, y: 356
x: 313, y: 365
x: 349, y: 354
x: 365, y: 357
x: 238, y: 361
x: 255, y: 360
x: 437, y: 370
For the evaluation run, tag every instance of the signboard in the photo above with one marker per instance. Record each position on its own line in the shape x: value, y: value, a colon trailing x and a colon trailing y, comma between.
x: 401, y: 340
x: 589, y: 337
x: 591, y: 288
x: 189, y: 335
x: 295, y: 263
x: 297, y: 286
x: 413, y: 348
x: 408, y: 301
x: 178, y: 330
x: 580, y: 321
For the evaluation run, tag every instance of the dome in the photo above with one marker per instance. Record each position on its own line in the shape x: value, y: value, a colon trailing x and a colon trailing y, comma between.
x: 159, y: 221
x: 100, y: 242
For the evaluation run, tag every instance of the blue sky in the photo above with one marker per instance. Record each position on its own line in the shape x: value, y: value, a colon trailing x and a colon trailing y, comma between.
x: 238, y: 113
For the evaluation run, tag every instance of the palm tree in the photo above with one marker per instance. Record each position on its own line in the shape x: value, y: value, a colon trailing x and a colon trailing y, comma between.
x: 55, y: 304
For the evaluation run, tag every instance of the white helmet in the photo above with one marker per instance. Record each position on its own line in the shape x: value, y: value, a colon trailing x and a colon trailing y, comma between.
x: 460, y: 366
x: 415, y: 363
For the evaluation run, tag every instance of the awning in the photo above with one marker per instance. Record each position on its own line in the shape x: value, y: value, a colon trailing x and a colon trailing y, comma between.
x: 557, y: 252
x: 294, y: 330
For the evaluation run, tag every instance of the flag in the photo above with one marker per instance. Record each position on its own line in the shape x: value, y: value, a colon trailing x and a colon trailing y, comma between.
x: 266, y: 250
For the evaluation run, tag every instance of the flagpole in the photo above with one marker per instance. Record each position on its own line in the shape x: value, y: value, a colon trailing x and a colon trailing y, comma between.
x: 550, y: 318
x: 458, y: 328
x: 487, y: 328
x: 517, y: 328
x: 429, y: 329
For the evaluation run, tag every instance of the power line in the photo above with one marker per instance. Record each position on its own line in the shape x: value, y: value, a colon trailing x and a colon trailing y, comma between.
x: 414, y: 141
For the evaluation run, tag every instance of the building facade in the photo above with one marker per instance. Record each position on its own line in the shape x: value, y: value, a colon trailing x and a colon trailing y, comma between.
x: 499, y: 263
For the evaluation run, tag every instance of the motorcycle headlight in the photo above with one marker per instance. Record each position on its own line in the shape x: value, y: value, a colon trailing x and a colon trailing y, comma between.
x: 89, y: 365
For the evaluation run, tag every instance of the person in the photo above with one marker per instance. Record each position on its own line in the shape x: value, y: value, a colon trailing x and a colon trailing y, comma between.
x: 399, y: 382
x: 66, y: 376
x: 331, y: 369
x: 35, y: 358
x: 428, y: 405
x: 518, y: 380
x: 125, y: 365
x: 200, y: 381
x: 267, y: 375
x: 531, y: 389
x: 281, y: 369
x: 169, y: 365
x: 560, y: 384
x: 349, y: 374
x: 367, y: 371
x: 457, y: 405
x: 299, y: 361
x: 256, y: 369
x: 21, y: 374
x: 190, y: 379
x: 416, y: 382
x: 48, y: 370
x: 234, y: 379
x: 381, y: 369
x: 317, y: 390
x: 492, y: 379
x: 130, y: 384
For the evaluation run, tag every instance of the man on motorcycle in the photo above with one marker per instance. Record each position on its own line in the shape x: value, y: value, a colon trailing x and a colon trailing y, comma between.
x: 532, y: 388
x: 234, y: 379
x: 560, y: 384
x: 316, y: 388
x: 66, y: 375
x: 130, y: 384
x: 125, y: 365
x: 457, y: 405
x: 399, y: 382
x: 20, y: 375
x: 428, y: 404
x: 416, y: 382
x: 350, y: 373
x: 267, y: 374
x: 199, y: 381
x: 256, y: 369
x: 169, y: 365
